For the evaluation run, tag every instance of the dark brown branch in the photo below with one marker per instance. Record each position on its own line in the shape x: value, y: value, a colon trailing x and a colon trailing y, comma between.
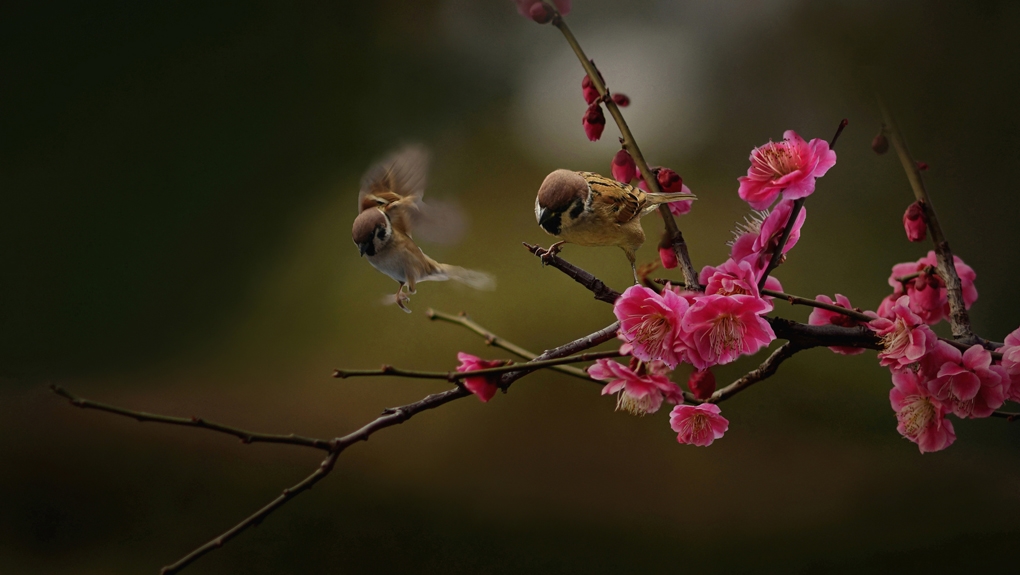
x: 808, y: 336
x: 798, y: 300
x: 494, y: 340
x: 798, y: 204
x: 593, y: 284
x: 1009, y: 417
x: 630, y: 144
x: 454, y: 376
x: 958, y: 317
x: 244, y: 435
x: 767, y: 369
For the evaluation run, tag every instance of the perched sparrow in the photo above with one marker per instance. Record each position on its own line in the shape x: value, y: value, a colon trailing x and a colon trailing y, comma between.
x: 587, y: 209
x: 391, y: 206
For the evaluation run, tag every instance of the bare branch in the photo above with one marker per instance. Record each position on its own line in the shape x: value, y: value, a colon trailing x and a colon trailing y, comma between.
x: 244, y: 435
x: 958, y: 317
x: 496, y: 341
x: 454, y: 376
x: 798, y: 300
x: 763, y: 371
x: 1009, y: 417
x: 630, y: 144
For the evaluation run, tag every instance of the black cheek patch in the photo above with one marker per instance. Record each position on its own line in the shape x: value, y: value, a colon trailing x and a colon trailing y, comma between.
x: 575, y: 212
x: 552, y: 225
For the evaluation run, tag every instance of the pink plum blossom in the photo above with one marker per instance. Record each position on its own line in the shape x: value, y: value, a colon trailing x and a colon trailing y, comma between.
x: 717, y: 329
x: 639, y: 393
x: 671, y: 183
x: 905, y: 337
x: 927, y: 292
x: 1011, y: 353
x: 758, y: 237
x: 483, y: 386
x: 914, y: 222
x: 821, y: 316
x: 650, y: 322
x: 921, y: 418
x: 594, y: 121
x: 624, y: 169
x: 790, y: 167
x: 698, y: 424
x: 966, y: 382
x: 735, y: 278
x: 702, y: 383
x: 667, y: 255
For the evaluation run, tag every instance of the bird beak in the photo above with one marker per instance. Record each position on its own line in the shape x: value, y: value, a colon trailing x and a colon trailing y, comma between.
x: 544, y: 216
x: 363, y: 246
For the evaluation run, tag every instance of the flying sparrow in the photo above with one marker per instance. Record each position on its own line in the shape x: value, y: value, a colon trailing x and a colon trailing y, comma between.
x: 587, y: 209
x: 391, y: 206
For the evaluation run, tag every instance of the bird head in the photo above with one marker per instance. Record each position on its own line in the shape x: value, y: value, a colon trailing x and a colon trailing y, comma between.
x: 372, y: 231
x: 562, y: 192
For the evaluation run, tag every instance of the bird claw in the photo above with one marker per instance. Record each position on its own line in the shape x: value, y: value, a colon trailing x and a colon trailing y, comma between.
x: 546, y: 255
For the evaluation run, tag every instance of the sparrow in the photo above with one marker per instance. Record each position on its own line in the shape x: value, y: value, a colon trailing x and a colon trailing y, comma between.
x: 587, y: 209
x: 390, y: 205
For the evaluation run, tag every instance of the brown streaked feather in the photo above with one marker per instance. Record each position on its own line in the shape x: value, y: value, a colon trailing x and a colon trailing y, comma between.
x: 402, y: 174
x: 624, y: 200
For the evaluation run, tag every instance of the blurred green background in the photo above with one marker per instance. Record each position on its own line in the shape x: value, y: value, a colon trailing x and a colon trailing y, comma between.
x: 177, y: 184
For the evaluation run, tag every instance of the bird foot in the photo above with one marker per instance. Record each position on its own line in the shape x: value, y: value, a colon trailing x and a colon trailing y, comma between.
x: 549, y: 253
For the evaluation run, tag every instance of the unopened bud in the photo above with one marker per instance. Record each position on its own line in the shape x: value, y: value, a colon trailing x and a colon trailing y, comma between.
x: 594, y: 121
x: 667, y: 255
x: 914, y: 222
x: 624, y: 169
x: 621, y: 100
x: 591, y: 94
x: 702, y: 384
x: 921, y: 166
x: 541, y: 12
x: 880, y: 144
x: 669, y: 181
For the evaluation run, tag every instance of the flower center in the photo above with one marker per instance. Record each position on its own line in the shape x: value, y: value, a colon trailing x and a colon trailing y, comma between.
x: 916, y: 415
x: 635, y: 405
x: 898, y: 339
x: 652, y: 333
x: 726, y: 334
x: 695, y: 426
x: 777, y: 159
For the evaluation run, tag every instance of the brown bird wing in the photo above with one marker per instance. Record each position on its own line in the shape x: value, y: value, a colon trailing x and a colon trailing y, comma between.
x: 623, y: 200
x: 402, y: 174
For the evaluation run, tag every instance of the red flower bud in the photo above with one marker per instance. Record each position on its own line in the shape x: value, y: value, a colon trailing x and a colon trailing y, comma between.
x: 624, y: 169
x: 880, y: 144
x: 921, y: 166
x: 666, y: 253
x: 621, y: 100
x: 914, y: 223
x: 541, y: 12
x: 702, y: 384
x: 669, y: 181
x: 594, y: 121
x: 591, y: 95
x: 527, y: 9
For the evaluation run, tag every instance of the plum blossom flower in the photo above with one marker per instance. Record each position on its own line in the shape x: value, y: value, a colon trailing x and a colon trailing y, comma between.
x: 914, y: 222
x: 905, y: 337
x: 967, y: 383
x: 920, y: 417
x: 790, y: 167
x: 670, y: 182
x: 483, y: 386
x: 702, y: 383
x: 698, y: 424
x: 821, y: 316
x: 650, y: 322
x: 1011, y: 363
x: 927, y: 292
x: 760, y: 233
x: 667, y: 255
x: 717, y: 328
x: 640, y: 392
x: 594, y: 121
x: 735, y: 278
x: 624, y: 169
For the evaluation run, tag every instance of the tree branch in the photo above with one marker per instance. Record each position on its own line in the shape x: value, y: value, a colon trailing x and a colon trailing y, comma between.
x: 798, y: 300
x: 455, y: 376
x: 767, y: 369
x: 593, y: 284
x: 244, y: 435
x: 630, y: 144
x: 958, y: 316
x: 494, y: 340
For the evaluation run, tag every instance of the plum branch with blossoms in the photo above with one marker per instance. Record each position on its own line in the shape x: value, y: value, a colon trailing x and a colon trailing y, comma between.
x: 714, y: 317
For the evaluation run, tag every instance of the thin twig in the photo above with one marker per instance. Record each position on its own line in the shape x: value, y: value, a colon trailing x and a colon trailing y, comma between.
x: 763, y: 371
x: 494, y: 340
x: 390, y: 417
x: 798, y: 204
x: 630, y: 144
x: 798, y: 300
x: 454, y: 376
x: 958, y: 317
x: 596, y: 286
x: 244, y: 435
x: 1009, y: 417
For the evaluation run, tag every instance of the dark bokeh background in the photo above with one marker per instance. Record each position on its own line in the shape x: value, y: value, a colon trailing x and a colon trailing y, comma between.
x: 177, y: 184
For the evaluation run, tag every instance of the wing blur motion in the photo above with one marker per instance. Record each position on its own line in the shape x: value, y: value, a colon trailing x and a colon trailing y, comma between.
x: 403, y: 174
